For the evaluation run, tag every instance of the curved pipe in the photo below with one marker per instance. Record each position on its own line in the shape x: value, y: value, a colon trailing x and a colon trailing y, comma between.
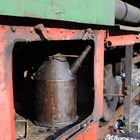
x: 126, y: 12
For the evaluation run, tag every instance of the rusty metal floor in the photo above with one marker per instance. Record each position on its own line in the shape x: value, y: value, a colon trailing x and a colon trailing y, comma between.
x: 26, y: 130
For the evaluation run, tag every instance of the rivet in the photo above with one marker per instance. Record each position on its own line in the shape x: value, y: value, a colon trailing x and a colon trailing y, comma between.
x: 31, y: 30
x: 138, y: 36
x: 47, y: 30
x: 61, y: 31
x: 13, y: 28
x: 73, y: 31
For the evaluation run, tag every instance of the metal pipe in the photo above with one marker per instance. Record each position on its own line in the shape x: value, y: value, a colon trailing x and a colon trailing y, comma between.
x: 126, y: 12
x: 80, y: 59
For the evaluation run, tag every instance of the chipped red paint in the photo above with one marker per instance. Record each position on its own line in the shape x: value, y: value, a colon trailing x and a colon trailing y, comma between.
x: 8, y: 37
x: 87, y: 130
x: 98, y: 73
x: 122, y: 40
x: 7, y: 131
x: 89, y: 134
x: 62, y: 34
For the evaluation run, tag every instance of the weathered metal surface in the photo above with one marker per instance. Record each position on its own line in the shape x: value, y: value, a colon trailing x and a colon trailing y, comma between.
x: 98, y: 73
x: 8, y: 38
x: 91, y: 11
x: 89, y: 134
x: 126, y: 12
x: 88, y: 128
x: 13, y: 35
x: 58, y: 33
x: 6, y: 93
x: 128, y: 84
x: 55, y: 103
x: 56, y: 94
x: 132, y: 83
x: 121, y: 40
x: 30, y: 130
x: 75, y: 66
x: 111, y: 91
x: 103, y: 131
x: 128, y: 28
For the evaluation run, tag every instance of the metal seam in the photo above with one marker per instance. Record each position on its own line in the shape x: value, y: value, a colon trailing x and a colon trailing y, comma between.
x: 125, y: 12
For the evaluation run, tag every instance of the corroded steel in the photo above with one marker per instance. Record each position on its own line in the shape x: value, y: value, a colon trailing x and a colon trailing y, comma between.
x: 56, y: 101
x: 99, y: 36
x: 89, y: 127
x: 121, y: 40
x: 59, y: 33
x: 8, y: 37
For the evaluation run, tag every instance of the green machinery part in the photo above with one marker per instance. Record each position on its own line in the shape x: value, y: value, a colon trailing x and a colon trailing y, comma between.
x: 82, y: 11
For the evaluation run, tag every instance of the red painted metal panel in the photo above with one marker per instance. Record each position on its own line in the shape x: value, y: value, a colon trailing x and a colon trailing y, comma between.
x: 89, y: 134
x: 122, y: 40
x: 98, y: 73
x: 26, y: 33
x: 6, y: 94
x: 9, y: 36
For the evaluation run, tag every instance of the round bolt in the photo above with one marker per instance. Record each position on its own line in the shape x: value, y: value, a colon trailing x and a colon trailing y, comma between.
x: 31, y: 30
x: 61, y: 31
x: 47, y: 30
x: 13, y: 29
x: 73, y: 31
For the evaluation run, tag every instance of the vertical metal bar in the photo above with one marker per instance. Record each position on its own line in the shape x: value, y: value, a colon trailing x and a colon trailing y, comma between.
x: 128, y: 80
x: 98, y: 73
x: 7, y: 131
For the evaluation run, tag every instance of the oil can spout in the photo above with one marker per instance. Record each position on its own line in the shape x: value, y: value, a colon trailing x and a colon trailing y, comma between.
x: 75, y: 66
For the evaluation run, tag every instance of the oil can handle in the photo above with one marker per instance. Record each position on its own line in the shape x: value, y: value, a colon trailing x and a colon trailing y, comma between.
x: 64, y: 55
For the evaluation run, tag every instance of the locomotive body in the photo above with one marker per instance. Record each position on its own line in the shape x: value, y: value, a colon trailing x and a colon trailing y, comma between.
x: 31, y: 31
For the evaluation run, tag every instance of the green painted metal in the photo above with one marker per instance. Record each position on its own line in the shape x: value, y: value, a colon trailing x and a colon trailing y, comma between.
x: 83, y: 11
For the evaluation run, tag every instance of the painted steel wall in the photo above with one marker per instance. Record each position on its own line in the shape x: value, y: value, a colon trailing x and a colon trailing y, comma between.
x: 83, y: 11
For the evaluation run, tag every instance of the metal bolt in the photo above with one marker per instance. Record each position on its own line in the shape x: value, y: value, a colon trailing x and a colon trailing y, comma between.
x: 13, y: 28
x: 31, y: 30
x: 61, y: 31
x: 47, y: 30
x: 73, y: 31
